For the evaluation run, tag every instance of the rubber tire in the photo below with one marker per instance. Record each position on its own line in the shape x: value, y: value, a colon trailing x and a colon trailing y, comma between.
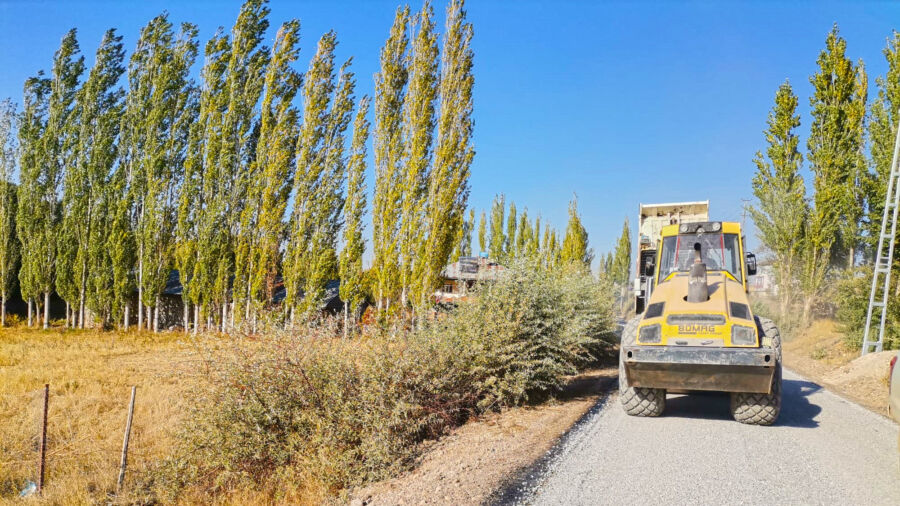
x: 761, y: 409
x: 637, y: 401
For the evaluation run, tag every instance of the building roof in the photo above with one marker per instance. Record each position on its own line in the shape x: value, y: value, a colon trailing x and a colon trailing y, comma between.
x: 473, y: 268
x: 331, y: 301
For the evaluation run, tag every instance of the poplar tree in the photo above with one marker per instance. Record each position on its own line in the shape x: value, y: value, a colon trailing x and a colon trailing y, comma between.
x: 608, y: 263
x: 820, y: 230
x: 120, y: 244
x: 882, y: 133
x: 836, y: 142
x: 216, y: 172
x: 417, y: 131
x: 58, y: 149
x: 31, y: 205
x: 244, y: 81
x: 482, y: 233
x: 351, y: 272
x: 534, y: 246
x: 328, y: 197
x: 98, y: 109
x: 463, y: 241
x: 317, y: 89
x: 550, y: 249
x: 390, y: 84
x: 9, y: 244
x: 262, y: 221
x: 310, y: 258
x: 448, y: 184
x: 497, y: 242
x: 198, y: 226
x: 780, y: 191
x: 159, y: 110
x: 511, y: 224
x: 523, y: 234
x: 621, y: 263
x: 575, y: 243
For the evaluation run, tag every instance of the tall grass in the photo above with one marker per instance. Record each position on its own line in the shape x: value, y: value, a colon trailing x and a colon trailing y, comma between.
x: 90, y: 374
x: 289, y: 416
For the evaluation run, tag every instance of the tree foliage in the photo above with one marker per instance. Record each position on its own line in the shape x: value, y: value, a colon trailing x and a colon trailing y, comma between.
x: 781, y: 211
x: 836, y: 142
x: 575, y: 249
x: 9, y: 243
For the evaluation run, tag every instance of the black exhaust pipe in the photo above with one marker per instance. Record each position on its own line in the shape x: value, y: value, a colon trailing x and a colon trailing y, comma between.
x: 698, y: 289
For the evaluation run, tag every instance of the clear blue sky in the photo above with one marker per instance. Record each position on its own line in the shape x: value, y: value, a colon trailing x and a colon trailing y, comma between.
x: 619, y: 103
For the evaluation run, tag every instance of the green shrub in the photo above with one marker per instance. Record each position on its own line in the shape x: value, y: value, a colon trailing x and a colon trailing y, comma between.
x: 343, y: 412
x: 853, y: 290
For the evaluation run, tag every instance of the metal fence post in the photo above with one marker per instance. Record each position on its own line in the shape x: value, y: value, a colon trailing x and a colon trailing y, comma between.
x: 42, y: 461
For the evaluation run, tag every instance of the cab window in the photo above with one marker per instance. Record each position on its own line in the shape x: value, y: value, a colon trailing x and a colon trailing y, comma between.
x: 720, y: 252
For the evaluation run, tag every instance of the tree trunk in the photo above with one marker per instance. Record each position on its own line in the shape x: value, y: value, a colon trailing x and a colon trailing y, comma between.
x: 81, y: 302
x: 125, y: 320
x: 149, y: 318
x: 851, y: 260
x: 807, y: 309
x: 224, y: 316
x: 30, y: 302
x: 140, y: 303
x: 186, y: 313
x: 156, y: 316
x: 68, y: 312
x: 3, y: 312
x: 196, y: 318
x: 46, y: 310
x: 346, y: 320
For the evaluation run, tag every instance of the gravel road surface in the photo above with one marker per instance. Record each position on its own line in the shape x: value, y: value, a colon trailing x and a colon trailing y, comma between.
x: 822, y: 450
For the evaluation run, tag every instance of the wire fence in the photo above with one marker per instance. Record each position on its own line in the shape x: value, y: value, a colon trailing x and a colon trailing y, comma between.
x: 76, y: 449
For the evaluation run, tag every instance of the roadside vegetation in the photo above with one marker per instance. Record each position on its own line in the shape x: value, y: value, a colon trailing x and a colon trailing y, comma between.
x: 821, y: 247
x: 90, y: 374
x: 289, y: 416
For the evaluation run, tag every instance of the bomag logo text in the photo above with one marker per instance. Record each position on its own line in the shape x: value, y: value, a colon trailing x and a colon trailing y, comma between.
x: 697, y: 328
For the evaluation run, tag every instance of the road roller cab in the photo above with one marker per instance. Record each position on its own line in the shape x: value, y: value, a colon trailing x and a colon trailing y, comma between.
x: 698, y: 331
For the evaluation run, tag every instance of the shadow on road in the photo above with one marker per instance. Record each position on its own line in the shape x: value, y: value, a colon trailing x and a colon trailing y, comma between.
x: 796, y: 410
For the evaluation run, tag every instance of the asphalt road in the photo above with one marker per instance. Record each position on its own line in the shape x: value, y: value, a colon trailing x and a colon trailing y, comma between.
x: 822, y: 450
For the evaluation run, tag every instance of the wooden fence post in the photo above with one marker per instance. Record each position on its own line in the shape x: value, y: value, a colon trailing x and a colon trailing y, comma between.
x: 124, y: 462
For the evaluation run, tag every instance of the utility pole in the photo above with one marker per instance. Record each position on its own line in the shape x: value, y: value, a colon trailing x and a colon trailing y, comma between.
x: 744, y: 213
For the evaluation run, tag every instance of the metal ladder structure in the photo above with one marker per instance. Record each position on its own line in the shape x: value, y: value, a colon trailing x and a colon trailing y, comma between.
x: 884, y: 260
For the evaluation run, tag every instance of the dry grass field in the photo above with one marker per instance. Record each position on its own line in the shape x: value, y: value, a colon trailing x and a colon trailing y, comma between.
x: 821, y: 353
x: 90, y: 374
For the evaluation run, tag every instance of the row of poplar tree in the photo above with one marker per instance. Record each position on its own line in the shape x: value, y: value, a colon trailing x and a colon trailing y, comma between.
x: 506, y: 236
x: 848, y: 152
x: 227, y: 179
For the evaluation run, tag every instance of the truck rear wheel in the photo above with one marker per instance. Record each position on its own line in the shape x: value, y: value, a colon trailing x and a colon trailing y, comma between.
x: 637, y: 401
x: 762, y: 409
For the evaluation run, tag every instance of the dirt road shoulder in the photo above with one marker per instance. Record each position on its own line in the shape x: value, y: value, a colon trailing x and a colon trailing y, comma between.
x: 477, y: 459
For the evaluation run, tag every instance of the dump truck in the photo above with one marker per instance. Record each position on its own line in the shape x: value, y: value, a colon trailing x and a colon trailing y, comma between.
x: 652, y: 218
x: 698, y: 331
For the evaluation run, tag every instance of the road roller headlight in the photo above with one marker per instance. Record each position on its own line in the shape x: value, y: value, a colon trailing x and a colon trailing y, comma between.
x: 743, y: 336
x: 649, y: 334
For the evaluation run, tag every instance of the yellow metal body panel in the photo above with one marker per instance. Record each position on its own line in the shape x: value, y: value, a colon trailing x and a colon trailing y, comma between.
x: 723, y: 290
